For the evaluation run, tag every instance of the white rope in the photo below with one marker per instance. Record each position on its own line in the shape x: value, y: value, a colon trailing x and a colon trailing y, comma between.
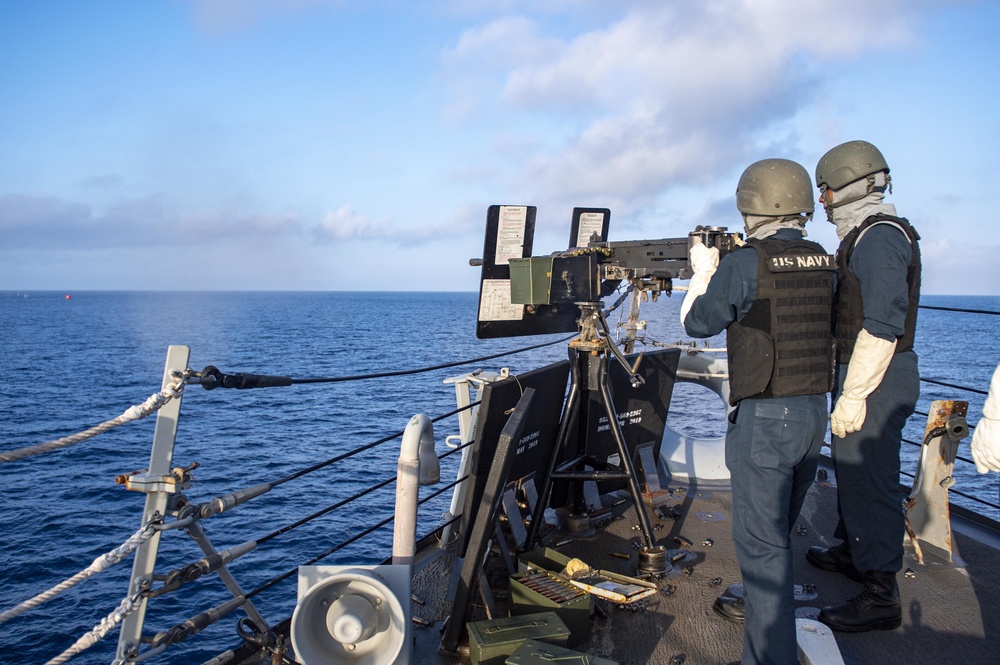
x: 151, y: 405
x: 100, y: 564
x: 107, y: 624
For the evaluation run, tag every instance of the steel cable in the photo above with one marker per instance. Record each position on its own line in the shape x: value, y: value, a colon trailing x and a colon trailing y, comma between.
x: 429, y: 369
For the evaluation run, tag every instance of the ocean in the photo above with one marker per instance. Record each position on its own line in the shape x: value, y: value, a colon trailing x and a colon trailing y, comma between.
x: 71, y: 361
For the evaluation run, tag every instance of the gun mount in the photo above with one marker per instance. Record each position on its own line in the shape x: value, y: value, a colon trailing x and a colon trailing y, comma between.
x: 522, y: 294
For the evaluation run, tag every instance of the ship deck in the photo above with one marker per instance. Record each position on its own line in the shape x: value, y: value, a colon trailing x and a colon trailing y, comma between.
x: 951, y: 613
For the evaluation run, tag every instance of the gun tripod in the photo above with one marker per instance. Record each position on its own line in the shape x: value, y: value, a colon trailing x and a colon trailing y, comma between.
x: 589, y: 359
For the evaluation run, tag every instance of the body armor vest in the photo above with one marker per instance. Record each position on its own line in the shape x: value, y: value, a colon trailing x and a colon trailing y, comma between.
x: 850, y: 315
x: 783, y: 345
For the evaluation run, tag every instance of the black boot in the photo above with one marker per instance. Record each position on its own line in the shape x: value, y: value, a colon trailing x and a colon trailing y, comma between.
x: 730, y: 608
x: 875, y: 608
x: 836, y: 559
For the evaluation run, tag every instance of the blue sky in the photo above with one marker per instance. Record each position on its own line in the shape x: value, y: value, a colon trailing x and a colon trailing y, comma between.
x: 347, y: 145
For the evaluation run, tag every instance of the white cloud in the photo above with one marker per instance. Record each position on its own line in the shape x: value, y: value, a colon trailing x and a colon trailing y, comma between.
x: 50, y: 223
x: 345, y: 224
x: 943, y: 260
x: 668, y: 94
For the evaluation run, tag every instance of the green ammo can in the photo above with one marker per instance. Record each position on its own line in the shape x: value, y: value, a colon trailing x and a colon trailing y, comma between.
x: 490, y: 642
x: 534, y: 652
x: 540, y: 590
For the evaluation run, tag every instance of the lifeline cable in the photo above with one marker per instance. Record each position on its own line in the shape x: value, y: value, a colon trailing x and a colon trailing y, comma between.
x: 430, y: 369
x: 363, y: 448
x: 356, y: 537
x: 952, y: 385
x: 920, y: 445
x: 212, y: 377
x: 115, y: 556
x: 217, y: 379
x: 956, y: 309
x: 252, y: 545
x: 952, y: 490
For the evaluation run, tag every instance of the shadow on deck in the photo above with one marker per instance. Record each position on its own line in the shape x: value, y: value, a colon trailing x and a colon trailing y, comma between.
x: 950, y: 614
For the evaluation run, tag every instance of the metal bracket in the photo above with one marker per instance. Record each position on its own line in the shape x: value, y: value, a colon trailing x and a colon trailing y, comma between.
x: 928, y: 521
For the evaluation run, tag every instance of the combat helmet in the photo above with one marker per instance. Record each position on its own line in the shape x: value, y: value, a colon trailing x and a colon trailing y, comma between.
x: 775, y: 188
x: 848, y: 162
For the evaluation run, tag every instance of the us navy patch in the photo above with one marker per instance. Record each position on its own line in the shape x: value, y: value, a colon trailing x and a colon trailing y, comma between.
x: 801, y: 262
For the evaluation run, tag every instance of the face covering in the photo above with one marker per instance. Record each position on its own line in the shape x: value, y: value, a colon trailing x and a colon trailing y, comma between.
x: 849, y: 215
x: 762, y: 226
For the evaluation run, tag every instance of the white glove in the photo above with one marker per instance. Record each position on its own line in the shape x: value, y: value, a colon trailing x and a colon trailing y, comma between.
x: 986, y: 438
x: 869, y: 361
x: 704, y: 261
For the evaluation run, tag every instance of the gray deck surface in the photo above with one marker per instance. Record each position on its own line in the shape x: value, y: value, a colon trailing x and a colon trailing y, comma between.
x: 950, y: 614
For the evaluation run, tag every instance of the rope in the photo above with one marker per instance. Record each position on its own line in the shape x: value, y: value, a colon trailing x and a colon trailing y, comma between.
x: 151, y: 405
x: 107, y: 624
x: 100, y: 564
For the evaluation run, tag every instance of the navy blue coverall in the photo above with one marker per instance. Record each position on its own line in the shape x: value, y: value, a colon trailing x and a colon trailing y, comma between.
x: 772, y: 449
x: 869, y: 499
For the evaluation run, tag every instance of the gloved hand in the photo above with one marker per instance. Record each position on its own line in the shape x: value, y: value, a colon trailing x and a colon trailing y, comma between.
x: 986, y: 438
x: 704, y: 261
x: 869, y: 361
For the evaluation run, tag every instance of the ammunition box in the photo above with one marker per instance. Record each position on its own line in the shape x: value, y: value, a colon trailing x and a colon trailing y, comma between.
x: 533, y: 652
x: 537, y: 591
x: 490, y: 642
x: 544, y: 558
x: 530, y: 280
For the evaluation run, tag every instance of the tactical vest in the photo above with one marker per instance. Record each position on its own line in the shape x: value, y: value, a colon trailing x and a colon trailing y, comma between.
x: 783, y: 345
x: 850, y: 315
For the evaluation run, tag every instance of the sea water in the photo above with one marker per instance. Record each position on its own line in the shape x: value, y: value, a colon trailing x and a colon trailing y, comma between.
x: 71, y: 361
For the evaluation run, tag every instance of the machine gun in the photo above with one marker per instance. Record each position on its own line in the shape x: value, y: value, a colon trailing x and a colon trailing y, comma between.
x: 529, y: 295
x: 587, y: 274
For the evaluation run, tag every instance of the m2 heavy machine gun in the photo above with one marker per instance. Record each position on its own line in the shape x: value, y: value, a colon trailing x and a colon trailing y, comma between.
x: 522, y: 294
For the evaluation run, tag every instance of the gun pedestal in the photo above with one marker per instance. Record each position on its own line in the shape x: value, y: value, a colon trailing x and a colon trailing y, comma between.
x: 589, y: 359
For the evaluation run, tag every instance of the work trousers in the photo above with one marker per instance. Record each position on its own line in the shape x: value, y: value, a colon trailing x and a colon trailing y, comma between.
x: 772, y: 448
x: 869, y: 498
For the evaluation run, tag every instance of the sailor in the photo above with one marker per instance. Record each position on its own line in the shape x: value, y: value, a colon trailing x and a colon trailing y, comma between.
x: 877, y: 384
x: 986, y: 438
x: 774, y: 297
